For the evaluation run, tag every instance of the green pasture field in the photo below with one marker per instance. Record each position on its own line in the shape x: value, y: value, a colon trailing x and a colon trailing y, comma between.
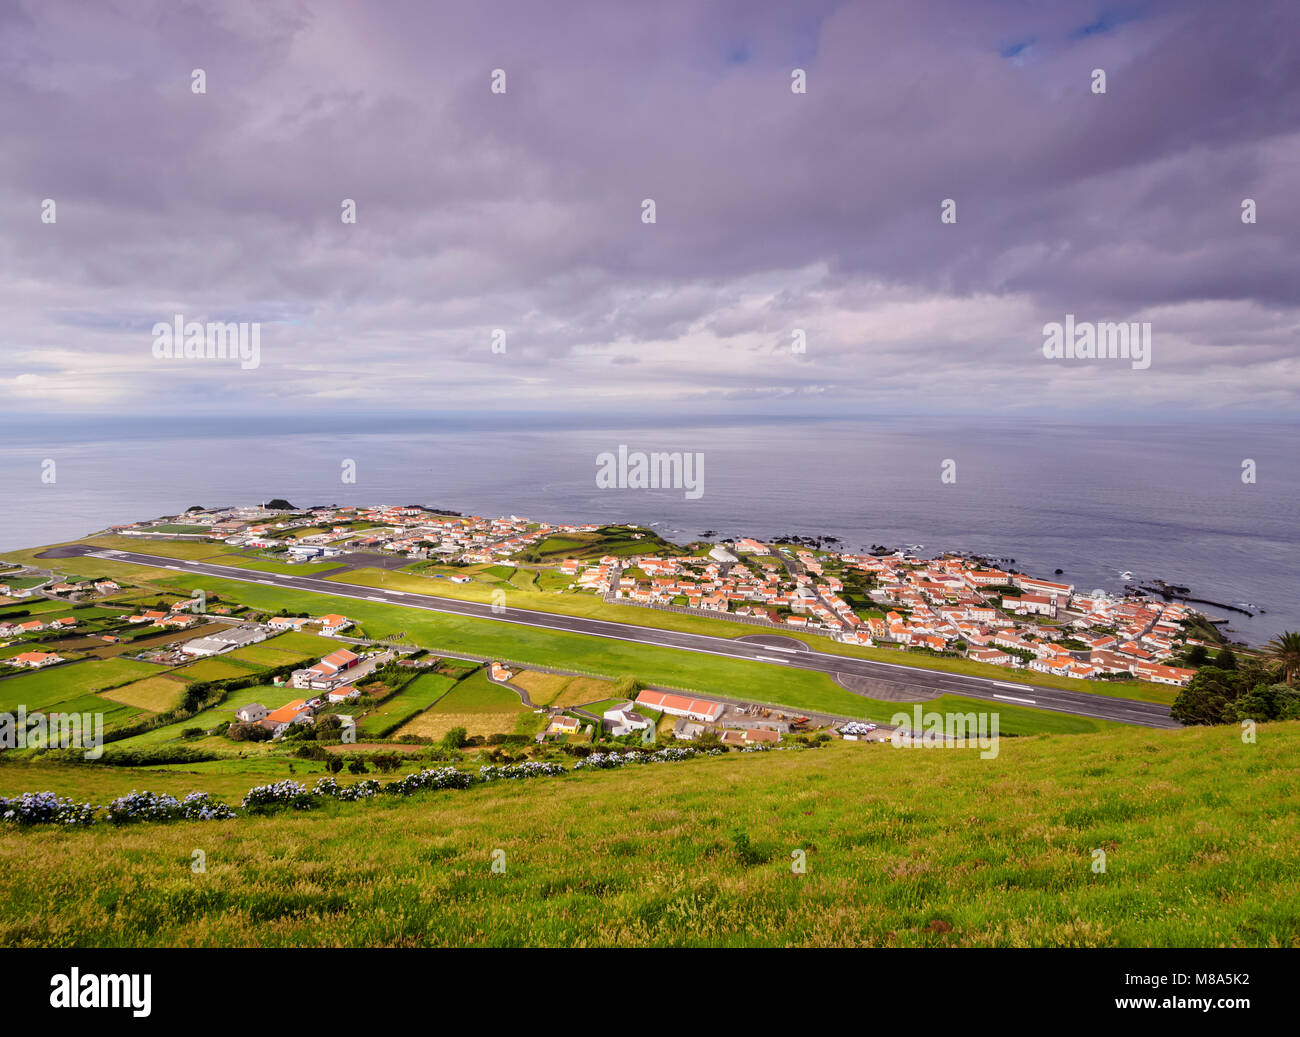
x: 903, y: 848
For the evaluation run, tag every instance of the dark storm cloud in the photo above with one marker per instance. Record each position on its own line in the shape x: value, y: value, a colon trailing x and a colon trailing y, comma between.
x: 775, y: 211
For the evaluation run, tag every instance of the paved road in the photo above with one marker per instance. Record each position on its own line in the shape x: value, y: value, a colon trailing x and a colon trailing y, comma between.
x: 1077, y: 703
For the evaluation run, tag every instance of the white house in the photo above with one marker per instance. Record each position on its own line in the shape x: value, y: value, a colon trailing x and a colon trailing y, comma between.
x: 623, y: 720
x: 333, y: 624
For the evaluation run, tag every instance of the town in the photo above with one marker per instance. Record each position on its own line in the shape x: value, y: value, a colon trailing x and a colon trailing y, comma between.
x: 947, y: 605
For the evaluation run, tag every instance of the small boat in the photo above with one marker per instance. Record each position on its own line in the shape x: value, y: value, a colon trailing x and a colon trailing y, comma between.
x: 1126, y: 576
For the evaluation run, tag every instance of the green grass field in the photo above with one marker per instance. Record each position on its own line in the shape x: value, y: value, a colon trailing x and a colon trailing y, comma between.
x: 34, y: 608
x: 24, y: 582
x: 398, y: 709
x: 271, y: 653
x: 214, y: 668
x: 561, y: 689
x: 56, y: 684
x: 476, y: 704
x: 191, y: 549
x: 270, y: 697
x: 266, y: 565
x: 903, y: 848
x: 154, y: 694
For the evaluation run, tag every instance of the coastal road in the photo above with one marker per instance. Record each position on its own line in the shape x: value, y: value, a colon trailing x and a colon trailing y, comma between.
x: 1076, y: 703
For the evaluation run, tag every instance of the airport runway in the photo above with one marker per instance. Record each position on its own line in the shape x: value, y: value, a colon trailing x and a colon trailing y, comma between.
x: 1077, y: 703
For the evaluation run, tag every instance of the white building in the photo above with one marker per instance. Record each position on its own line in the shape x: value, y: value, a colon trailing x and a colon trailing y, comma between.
x: 624, y: 720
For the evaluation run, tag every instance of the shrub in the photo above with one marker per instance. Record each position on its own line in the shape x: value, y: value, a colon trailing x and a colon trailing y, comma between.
x: 441, y: 778
x: 456, y: 738
x: 528, y: 769
x: 143, y: 756
x: 200, y: 806
x: 748, y: 854
x: 331, y: 789
x: 607, y: 761
x: 33, y: 808
x: 144, y: 806
x: 157, y: 806
x: 279, y: 794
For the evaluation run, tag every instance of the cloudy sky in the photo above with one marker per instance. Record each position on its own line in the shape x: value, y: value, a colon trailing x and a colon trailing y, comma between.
x: 774, y: 210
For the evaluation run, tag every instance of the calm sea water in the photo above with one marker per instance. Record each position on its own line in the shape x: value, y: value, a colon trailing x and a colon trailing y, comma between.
x: 1159, y: 501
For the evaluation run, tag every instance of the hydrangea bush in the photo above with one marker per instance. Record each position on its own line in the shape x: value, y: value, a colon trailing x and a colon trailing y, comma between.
x: 158, y: 806
x: 608, y: 761
x: 200, y: 806
x: 331, y: 789
x: 527, y: 769
x: 34, y: 808
x: 144, y: 806
x: 439, y: 778
x: 287, y: 793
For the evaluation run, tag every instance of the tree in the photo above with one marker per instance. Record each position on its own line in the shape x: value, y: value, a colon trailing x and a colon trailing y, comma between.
x: 1269, y: 702
x: 1198, y: 656
x: 1285, y: 651
x: 1210, y: 698
x: 455, y: 738
x: 357, y: 766
x: 1226, y: 659
x: 334, y: 764
x: 196, y: 695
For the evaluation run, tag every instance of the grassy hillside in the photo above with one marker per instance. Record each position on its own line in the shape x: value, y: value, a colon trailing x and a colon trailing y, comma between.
x: 904, y: 848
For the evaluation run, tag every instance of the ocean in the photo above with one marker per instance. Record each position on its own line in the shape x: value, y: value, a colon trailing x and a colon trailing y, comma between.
x: 1160, y: 501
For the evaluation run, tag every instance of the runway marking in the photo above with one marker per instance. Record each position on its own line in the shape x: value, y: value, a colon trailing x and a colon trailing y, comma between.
x: 767, y: 659
x: 1012, y: 698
